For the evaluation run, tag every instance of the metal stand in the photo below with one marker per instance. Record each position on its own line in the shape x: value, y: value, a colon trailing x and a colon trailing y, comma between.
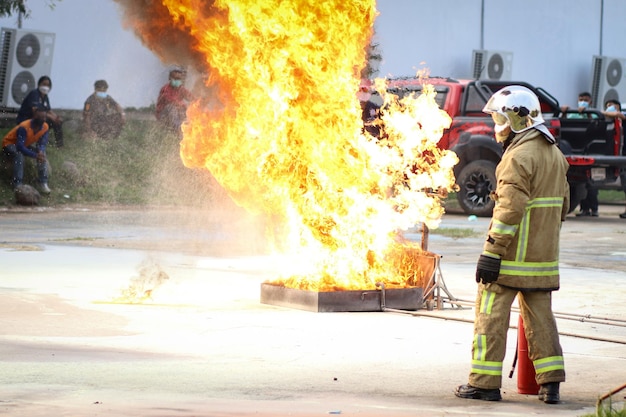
x: 436, y: 284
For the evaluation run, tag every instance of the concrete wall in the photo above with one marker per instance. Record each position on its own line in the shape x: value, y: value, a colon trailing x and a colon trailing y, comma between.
x: 91, y: 44
x: 552, y: 41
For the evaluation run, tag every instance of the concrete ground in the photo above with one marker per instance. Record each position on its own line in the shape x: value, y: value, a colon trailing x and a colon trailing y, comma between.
x: 201, y: 343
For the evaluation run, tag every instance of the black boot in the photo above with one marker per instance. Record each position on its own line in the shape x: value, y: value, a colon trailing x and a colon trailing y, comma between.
x: 474, y: 393
x: 549, y: 393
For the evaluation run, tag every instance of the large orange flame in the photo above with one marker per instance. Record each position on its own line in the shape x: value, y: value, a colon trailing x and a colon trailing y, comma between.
x: 284, y: 136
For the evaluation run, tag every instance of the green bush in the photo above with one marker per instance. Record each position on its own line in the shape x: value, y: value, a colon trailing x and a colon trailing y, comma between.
x: 608, y: 410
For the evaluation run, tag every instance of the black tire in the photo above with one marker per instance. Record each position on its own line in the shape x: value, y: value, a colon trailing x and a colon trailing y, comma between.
x: 577, y: 193
x: 476, y: 180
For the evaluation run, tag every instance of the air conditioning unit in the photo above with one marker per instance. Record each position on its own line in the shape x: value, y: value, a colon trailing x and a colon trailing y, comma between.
x: 608, y: 80
x: 492, y: 65
x: 25, y: 56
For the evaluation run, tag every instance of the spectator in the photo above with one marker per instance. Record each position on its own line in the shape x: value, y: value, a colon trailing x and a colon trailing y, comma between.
x: 29, y: 139
x: 589, y: 205
x: 39, y: 97
x: 103, y: 117
x: 613, y: 109
x: 171, y: 106
x: 584, y: 103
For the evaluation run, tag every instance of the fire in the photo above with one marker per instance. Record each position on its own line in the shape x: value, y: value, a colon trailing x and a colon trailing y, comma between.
x: 280, y: 128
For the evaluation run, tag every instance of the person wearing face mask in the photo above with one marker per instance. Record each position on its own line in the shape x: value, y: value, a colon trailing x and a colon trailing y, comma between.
x: 584, y: 104
x: 29, y: 139
x: 588, y: 205
x: 103, y: 117
x: 171, y: 105
x: 613, y: 110
x: 584, y: 101
x: 520, y: 256
x: 39, y: 98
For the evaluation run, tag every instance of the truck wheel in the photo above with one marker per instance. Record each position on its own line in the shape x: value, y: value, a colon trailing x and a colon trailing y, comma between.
x: 476, y: 180
x: 577, y: 193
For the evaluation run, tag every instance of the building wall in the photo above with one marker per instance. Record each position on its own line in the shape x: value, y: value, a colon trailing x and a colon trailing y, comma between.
x: 553, y: 43
x: 91, y: 44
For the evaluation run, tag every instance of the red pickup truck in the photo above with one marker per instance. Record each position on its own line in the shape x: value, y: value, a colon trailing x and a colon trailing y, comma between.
x: 592, y: 144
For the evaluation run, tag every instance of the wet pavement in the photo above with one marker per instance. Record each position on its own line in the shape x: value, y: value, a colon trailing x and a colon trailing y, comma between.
x: 201, y: 343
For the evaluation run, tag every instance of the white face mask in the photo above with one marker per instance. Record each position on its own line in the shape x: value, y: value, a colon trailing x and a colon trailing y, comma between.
x: 44, y: 89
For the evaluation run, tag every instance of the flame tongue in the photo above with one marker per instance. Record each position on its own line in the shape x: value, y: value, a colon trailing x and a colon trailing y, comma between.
x: 285, y: 138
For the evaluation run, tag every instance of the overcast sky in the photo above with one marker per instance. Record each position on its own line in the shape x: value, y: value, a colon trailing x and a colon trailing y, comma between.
x: 553, y: 43
x: 91, y: 44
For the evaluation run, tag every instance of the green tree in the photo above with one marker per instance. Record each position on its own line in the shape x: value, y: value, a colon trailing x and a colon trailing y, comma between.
x: 11, y: 7
x: 373, y: 58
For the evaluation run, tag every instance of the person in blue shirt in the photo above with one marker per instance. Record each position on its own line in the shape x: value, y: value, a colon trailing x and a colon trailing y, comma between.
x: 39, y: 98
x: 29, y: 139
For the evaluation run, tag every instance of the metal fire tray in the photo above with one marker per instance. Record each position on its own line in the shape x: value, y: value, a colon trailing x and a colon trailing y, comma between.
x: 342, y: 301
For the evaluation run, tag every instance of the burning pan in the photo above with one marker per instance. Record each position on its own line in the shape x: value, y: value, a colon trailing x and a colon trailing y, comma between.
x: 342, y: 301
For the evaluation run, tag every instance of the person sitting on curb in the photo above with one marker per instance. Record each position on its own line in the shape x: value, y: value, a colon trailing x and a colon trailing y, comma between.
x: 29, y: 139
x: 39, y: 98
x: 103, y: 117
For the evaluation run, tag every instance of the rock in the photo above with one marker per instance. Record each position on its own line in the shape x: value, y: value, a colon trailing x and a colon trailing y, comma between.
x: 26, y: 195
x: 70, y: 172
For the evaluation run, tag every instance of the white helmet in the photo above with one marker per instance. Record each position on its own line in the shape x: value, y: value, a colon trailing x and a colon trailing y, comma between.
x: 519, y: 107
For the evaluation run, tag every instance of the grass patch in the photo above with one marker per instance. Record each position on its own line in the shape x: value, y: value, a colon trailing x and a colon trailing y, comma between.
x: 451, y: 202
x: 611, y: 196
x: 77, y: 239
x: 455, y: 232
x: 608, y: 411
x: 141, y: 167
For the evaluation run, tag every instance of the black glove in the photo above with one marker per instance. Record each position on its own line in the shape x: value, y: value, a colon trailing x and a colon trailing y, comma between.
x: 487, y: 269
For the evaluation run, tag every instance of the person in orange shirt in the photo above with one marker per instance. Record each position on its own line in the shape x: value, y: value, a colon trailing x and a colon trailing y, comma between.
x: 29, y: 139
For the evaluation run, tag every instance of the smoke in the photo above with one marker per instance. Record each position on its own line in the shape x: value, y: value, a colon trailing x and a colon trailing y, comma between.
x: 142, y: 288
x: 159, y: 32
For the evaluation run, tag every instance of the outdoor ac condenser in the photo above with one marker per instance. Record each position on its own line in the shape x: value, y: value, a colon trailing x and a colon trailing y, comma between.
x: 492, y: 65
x: 608, y: 80
x: 25, y: 56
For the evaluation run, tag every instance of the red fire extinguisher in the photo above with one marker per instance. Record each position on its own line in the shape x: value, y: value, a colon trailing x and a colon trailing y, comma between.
x: 526, y: 383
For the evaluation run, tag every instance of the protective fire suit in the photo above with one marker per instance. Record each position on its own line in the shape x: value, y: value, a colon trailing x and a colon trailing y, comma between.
x: 532, y: 199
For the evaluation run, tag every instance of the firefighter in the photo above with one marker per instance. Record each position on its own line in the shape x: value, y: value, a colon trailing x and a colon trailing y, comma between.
x: 521, y: 253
